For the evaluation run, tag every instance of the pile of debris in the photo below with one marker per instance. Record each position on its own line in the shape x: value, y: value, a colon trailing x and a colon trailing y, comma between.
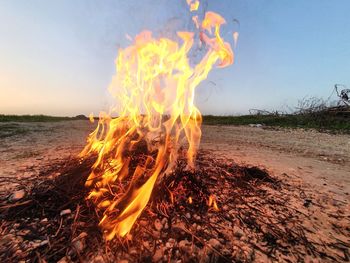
x: 255, y: 217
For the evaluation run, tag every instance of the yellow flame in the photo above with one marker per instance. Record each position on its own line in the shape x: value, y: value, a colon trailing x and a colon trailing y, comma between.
x: 91, y: 117
x: 190, y: 201
x: 154, y: 87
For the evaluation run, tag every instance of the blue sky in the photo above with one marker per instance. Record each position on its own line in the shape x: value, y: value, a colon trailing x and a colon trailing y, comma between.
x: 57, y: 57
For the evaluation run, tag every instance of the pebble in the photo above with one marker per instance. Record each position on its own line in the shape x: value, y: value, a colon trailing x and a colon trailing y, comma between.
x: 65, y: 212
x: 214, y: 243
x: 146, y: 245
x: 18, y: 195
x: 197, y: 217
x: 158, y: 225
x: 238, y: 232
x: 183, y: 245
x: 79, y: 245
x: 164, y: 221
x: 158, y: 255
x: 188, y: 215
x: 143, y: 223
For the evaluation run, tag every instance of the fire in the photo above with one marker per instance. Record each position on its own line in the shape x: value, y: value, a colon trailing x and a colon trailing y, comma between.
x: 154, y: 86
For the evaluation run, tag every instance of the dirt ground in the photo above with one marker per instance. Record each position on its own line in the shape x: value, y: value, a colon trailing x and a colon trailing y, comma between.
x: 319, y: 159
x: 317, y: 162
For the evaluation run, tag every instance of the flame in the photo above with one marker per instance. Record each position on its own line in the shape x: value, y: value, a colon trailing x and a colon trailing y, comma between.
x: 190, y: 201
x: 91, y: 118
x: 154, y: 86
x: 193, y: 4
x: 212, y: 202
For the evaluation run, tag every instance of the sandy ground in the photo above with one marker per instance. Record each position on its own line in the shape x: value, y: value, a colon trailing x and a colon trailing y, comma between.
x: 317, y: 162
x: 319, y: 159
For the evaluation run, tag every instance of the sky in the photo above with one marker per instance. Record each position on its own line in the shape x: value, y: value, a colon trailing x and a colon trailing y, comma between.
x: 57, y: 57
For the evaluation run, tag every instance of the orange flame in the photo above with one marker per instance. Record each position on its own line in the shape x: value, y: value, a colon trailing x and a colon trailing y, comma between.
x: 154, y: 86
x: 190, y: 201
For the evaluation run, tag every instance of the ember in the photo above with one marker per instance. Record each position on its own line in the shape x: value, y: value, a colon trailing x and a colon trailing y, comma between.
x: 155, y: 87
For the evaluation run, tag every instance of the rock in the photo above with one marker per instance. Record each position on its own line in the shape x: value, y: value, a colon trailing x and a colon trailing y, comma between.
x: 143, y: 223
x: 237, y: 232
x: 170, y: 243
x: 158, y: 225
x: 156, y: 234
x: 188, y: 215
x: 65, y: 212
x: 158, y: 255
x: 146, y: 245
x: 79, y: 242
x: 214, y: 243
x: 78, y: 245
x: 18, y: 195
x: 183, y: 245
x: 197, y: 217
x: 164, y: 221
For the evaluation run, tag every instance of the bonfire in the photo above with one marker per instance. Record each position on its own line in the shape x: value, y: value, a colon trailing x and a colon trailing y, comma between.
x: 155, y: 87
x: 142, y: 191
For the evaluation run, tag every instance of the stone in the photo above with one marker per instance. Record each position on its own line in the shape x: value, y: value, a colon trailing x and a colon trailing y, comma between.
x: 214, y: 243
x: 238, y: 232
x: 158, y: 255
x: 158, y: 225
x: 143, y: 223
x: 164, y: 221
x: 79, y: 245
x: 99, y: 259
x: 183, y: 245
x: 18, y: 195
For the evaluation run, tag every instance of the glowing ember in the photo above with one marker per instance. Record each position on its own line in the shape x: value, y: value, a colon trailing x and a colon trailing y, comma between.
x: 154, y: 87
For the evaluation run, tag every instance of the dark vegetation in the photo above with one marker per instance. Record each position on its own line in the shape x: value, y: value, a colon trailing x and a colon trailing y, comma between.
x: 310, y: 113
x: 38, y: 118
